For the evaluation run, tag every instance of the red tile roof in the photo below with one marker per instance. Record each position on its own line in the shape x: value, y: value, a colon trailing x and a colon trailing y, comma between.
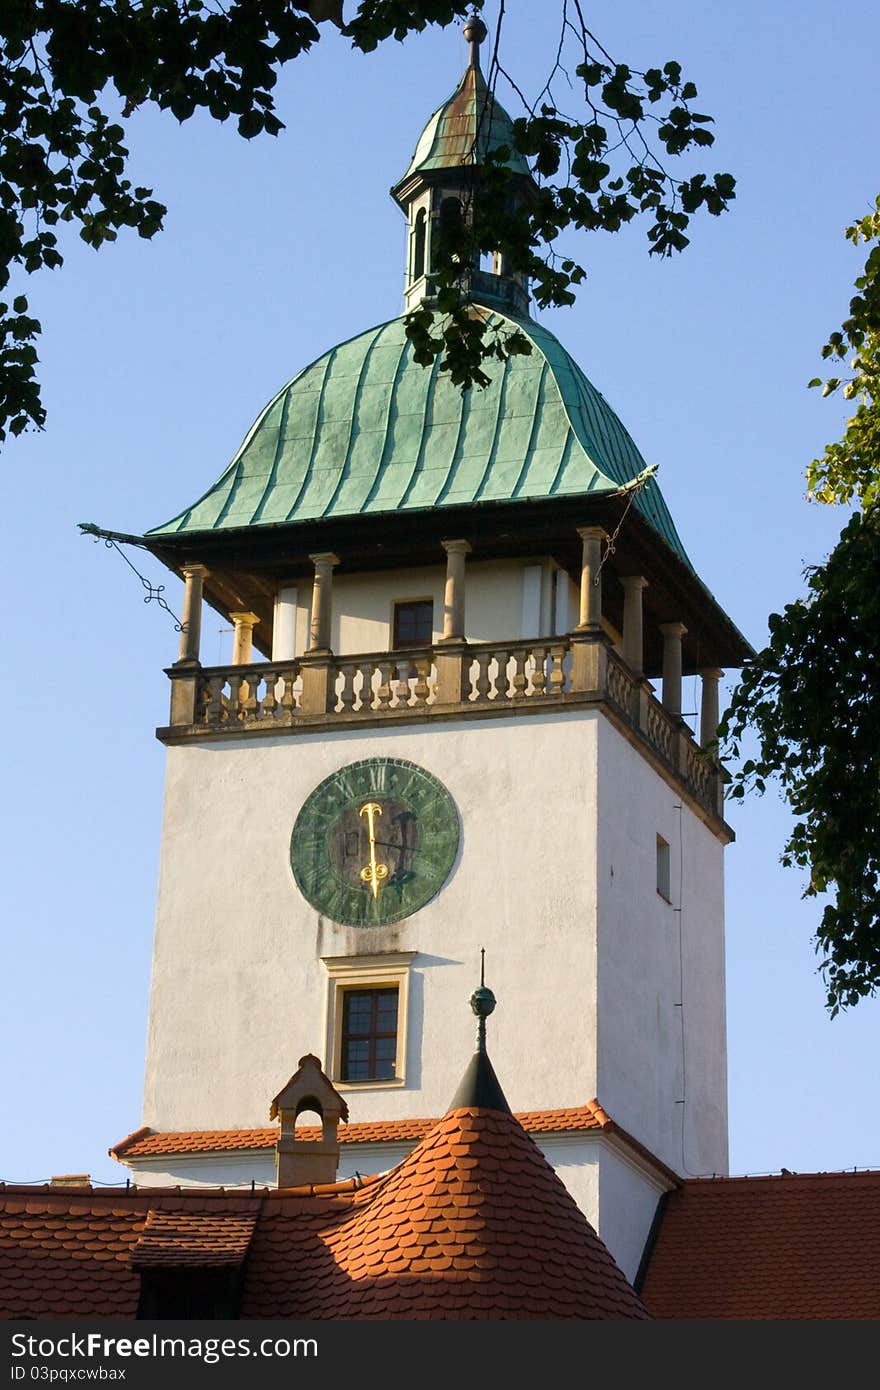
x: 793, y: 1246
x: 67, y: 1255
x: 473, y: 1224
x: 148, y: 1143
x: 178, y: 1239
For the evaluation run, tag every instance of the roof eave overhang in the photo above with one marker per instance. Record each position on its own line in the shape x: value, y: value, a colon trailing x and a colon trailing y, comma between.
x: 403, y: 191
x: 247, y: 563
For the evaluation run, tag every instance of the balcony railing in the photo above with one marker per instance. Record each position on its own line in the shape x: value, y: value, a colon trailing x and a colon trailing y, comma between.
x: 424, y: 683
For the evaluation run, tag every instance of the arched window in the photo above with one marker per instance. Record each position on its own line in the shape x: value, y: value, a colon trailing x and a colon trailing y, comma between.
x: 450, y: 214
x: 448, y: 219
x: 418, y: 261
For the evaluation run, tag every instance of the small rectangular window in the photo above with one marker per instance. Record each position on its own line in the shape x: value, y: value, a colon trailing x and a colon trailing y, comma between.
x: 369, y: 1034
x: 413, y: 623
x: 663, y: 869
x: 367, y: 997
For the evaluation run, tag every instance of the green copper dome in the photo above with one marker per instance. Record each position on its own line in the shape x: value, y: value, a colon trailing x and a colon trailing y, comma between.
x: 366, y: 430
x: 461, y: 131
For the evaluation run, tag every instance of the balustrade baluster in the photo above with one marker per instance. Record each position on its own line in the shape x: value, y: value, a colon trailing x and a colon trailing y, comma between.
x: 346, y: 698
x: 288, y: 695
x: 538, y: 655
x: 269, y: 704
x: 234, y: 705
x: 482, y: 682
x: 406, y: 673
x: 502, y: 679
x: 214, y: 711
x: 520, y: 679
x: 422, y: 688
x: 248, y: 707
x: 557, y: 672
x: 397, y: 675
x: 382, y: 688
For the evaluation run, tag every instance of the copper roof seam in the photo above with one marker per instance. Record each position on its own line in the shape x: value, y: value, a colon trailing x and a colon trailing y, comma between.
x: 363, y: 372
x: 327, y: 360
x: 537, y: 417
x: 568, y: 449
x: 231, y: 492
x: 279, y: 447
x: 496, y: 432
x: 427, y: 410
x: 391, y: 417
x: 464, y: 416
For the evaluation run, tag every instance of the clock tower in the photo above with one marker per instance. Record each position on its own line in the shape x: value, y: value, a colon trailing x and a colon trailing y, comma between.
x: 452, y: 721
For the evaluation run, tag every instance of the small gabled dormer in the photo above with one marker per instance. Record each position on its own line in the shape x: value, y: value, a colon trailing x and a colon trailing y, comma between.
x: 298, y: 1163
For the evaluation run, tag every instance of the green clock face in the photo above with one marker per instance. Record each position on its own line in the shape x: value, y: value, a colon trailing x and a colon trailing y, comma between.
x: 374, y: 842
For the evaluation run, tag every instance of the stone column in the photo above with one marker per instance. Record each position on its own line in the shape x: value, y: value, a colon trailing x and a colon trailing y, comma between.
x: 591, y: 578
x: 243, y: 640
x: 672, y: 635
x: 191, y: 625
x: 633, y: 642
x: 709, y: 678
x: 319, y: 633
x: 453, y: 600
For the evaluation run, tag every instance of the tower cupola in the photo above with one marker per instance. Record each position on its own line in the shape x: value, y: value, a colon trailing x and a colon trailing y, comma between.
x: 443, y: 181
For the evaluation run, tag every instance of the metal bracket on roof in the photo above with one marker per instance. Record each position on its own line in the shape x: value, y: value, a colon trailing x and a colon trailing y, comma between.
x: 111, y: 540
x: 629, y: 489
x: 638, y: 481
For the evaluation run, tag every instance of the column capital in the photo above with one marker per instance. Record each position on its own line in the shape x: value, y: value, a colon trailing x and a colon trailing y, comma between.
x: 459, y: 547
x: 245, y: 619
x: 324, y: 558
x: 634, y: 581
x: 673, y: 629
x: 592, y: 533
x: 195, y: 569
x: 712, y: 673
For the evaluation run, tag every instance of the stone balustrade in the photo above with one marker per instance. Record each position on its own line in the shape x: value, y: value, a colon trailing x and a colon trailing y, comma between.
x: 448, y: 680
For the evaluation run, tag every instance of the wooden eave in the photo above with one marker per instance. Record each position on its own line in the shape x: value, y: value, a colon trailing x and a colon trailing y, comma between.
x: 247, y: 565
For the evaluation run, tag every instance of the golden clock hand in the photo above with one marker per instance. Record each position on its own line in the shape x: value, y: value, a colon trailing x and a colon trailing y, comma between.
x: 374, y: 872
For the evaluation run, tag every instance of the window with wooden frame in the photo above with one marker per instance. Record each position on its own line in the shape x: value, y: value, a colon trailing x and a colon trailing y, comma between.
x: 366, y: 1036
x: 412, y: 623
x: 368, y: 1049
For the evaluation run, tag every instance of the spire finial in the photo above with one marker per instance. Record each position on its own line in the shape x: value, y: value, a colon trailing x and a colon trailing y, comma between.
x: 475, y: 32
x: 482, y: 1003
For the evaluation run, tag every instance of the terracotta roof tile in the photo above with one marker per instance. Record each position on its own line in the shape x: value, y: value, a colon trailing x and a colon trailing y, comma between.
x: 793, y: 1246
x: 147, y: 1143
x: 531, y: 1243
x: 178, y: 1239
x: 394, y: 1247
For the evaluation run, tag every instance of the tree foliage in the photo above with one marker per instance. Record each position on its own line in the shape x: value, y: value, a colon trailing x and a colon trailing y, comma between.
x: 812, y: 696
x: 597, y: 168
x: 850, y: 469
x: 73, y: 71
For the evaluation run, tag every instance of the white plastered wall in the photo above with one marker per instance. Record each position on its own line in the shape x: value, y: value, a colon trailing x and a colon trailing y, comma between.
x: 662, y: 1053
x: 503, y: 599
x: 239, y: 988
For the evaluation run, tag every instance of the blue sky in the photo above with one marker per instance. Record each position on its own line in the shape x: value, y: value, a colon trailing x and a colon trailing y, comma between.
x: 157, y: 356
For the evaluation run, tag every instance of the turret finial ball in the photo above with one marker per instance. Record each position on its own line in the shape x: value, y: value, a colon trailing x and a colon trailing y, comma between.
x: 475, y: 30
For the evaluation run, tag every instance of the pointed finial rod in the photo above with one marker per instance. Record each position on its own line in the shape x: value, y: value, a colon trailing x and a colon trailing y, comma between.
x: 475, y: 32
x: 482, y: 1003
